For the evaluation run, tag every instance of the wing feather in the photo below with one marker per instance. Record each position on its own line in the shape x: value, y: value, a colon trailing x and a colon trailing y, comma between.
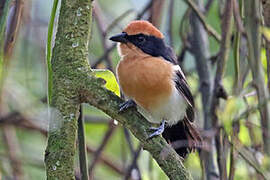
x: 183, y: 88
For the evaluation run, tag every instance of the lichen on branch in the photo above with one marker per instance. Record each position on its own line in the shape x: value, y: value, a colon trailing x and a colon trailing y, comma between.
x: 74, y: 83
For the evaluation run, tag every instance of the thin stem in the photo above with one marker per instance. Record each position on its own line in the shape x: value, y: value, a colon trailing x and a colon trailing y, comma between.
x: 253, y: 23
x: 49, y: 50
x: 82, y: 146
x: 133, y: 164
x: 202, y: 18
x: 98, y: 153
x: 200, y: 49
x: 131, y: 148
x: 2, y: 41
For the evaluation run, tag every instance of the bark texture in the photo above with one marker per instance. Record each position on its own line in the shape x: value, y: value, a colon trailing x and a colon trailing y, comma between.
x: 69, y: 55
x: 74, y: 84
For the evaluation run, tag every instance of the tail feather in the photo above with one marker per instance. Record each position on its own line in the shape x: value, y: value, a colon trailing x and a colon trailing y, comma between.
x: 183, y: 136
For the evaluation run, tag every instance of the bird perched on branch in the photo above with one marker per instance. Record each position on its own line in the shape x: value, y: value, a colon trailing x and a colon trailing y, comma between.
x: 150, y: 77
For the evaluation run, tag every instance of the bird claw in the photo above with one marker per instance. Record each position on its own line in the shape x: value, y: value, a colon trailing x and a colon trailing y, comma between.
x: 158, y: 130
x: 128, y: 104
x: 153, y: 128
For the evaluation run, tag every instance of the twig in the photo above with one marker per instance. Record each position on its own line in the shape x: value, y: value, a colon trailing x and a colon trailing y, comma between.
x: 82, y: 146
x: 3, y: 25
x: 218, y: 88
x: 221, y: 154
x: 238, y: 13
x: 3, y: 14
x: 102, y: 30
x: 202, y: 18
x: 252, y: 14
x: 236, y: 54
x: 101, y: 147
x: 107, y: 161
x: 200, y: 49
x: 128, y: 138
x: 248, y: 157
x: 233, y: 153
x: 251, y: 110
x: 13, y: 29
x: 106, y: 53
x: 237, y: 17
x: 18, y: 120
x: 13, y: 149
x: 133, y: 164
x: 243, y: 65
x: 117, y: 20
x: 170, y: 24
x: 156, y: 12
x: 224, y: 53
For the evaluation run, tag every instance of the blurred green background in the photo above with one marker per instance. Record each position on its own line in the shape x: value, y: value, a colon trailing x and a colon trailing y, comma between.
x: 25, y: 89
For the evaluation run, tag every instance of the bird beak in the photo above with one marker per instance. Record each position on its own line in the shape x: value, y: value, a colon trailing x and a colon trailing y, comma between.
x: 120, y: 38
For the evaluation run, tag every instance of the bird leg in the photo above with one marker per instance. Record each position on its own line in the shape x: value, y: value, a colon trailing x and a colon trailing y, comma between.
x: 128, y: 104
x: 158, y: 130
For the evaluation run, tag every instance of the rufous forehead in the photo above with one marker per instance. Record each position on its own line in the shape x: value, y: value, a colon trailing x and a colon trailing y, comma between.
x: 145, y: 27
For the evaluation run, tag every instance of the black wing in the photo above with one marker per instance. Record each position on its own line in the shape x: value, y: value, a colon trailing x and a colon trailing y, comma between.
x: 181, y: 84
x: 156, y: 47
x: 183, y: 88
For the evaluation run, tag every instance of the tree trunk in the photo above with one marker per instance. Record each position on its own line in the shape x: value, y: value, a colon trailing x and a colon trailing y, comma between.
x: 69, y: 54
x: 74, y: 84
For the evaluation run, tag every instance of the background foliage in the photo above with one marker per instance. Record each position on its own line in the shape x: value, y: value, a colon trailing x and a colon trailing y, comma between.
x: 113, y: 152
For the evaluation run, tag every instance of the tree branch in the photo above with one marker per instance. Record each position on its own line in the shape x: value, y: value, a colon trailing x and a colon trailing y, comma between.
x: 69, y: 53
x: 200, y: 49
x: 108, y: 102
x: 202, y: 18
x: 252, y: 14
x: 74, y: 84
x: 219, y: 91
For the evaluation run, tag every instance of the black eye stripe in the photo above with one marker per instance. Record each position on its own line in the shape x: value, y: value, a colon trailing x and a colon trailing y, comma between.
x: 132, y: 38
x: 153, y: 46
x: 141, y: 38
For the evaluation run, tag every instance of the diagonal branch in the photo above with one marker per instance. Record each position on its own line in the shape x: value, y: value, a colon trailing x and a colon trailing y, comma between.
x: 108, y: 102
x: 202, y: 18
x: 73, y: 84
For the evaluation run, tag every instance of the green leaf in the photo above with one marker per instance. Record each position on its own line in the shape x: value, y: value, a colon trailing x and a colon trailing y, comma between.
x: 49, y: 50
x: 108, y: 76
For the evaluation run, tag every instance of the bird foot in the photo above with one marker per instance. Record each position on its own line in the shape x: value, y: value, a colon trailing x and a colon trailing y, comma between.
x: 158, y: 130
x: 128, y: 104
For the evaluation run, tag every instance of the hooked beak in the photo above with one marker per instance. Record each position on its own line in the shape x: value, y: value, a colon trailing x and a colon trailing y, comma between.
x: 120, y: 38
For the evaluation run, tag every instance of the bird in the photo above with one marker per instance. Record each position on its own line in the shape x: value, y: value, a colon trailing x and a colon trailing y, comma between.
x: 153, y: 82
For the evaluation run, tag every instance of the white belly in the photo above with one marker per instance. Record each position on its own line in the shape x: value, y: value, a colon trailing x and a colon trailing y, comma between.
x: 172, y: 110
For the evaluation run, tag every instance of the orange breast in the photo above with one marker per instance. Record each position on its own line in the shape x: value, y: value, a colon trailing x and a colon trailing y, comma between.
x: 146, y: 80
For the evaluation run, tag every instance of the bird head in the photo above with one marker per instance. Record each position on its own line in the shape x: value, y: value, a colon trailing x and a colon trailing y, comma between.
x: 140, y: 38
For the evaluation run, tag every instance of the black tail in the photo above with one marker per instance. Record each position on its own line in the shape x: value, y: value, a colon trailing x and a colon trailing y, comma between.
x: 183, y: 136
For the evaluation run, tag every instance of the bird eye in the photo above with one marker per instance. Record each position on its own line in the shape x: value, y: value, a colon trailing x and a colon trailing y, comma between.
x: 141, y: 39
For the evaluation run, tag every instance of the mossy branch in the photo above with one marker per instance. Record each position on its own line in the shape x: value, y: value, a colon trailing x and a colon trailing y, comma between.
x: 73, y: 84
x: 108, y: 102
